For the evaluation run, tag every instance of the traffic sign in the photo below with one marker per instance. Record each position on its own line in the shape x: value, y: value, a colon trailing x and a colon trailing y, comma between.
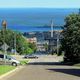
x: 5, y: 46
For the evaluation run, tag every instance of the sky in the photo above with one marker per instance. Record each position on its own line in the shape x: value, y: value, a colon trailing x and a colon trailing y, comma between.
x: 40, y: 3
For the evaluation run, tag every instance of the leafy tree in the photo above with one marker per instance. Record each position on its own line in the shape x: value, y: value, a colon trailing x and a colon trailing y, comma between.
x: 29, y: 51
x: 8, y: 38
x: 71, y: 38
x: 33, y: 46
x: 22, y: 46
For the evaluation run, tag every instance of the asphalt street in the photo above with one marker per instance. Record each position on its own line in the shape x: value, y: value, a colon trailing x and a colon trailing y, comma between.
x: 46, y: 68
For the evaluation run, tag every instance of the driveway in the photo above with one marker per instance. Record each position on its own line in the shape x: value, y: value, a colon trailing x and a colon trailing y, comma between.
x: 46, y: 68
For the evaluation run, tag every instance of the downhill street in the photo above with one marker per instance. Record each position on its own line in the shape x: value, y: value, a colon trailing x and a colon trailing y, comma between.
x: 46, y: 67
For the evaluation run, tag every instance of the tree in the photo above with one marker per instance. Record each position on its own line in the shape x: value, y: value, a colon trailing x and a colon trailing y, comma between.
x: 33, y: 47
x: 71, y: 38
x: 8, y: 38
x: 22, y: 46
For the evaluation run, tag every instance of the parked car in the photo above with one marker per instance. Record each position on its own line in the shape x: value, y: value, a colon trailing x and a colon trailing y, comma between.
x: 30, y: 56
x: 8, y: 60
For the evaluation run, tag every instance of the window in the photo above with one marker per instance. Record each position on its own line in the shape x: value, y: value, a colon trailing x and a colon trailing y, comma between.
x: 1, y: 56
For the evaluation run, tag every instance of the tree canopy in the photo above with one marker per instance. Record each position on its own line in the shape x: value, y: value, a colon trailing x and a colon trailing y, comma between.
x: 71, y: 38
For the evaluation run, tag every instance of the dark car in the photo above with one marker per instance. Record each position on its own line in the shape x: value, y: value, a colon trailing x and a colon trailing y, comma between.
x: 30, y: 56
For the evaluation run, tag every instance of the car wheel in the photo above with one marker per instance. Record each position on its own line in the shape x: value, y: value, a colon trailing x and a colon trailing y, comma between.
x: 36, y: 57
x: 14, y: 64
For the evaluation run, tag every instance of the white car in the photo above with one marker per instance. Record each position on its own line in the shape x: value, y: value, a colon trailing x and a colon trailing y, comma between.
x: 8, y: 60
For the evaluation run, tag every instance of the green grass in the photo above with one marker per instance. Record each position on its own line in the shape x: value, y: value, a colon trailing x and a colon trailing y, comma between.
x: 5, y: 68
x: 23, y: 62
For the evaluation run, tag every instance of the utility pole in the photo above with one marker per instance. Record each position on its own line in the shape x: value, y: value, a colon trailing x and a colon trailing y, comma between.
x: 57, y: 42
x: 4, y: 25
x: 14, y: 43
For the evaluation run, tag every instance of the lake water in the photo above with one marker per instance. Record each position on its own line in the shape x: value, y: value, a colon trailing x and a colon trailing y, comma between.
x: 34, y: 19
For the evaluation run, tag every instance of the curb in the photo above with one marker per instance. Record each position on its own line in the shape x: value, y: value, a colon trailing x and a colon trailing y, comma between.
x: 10, y: 72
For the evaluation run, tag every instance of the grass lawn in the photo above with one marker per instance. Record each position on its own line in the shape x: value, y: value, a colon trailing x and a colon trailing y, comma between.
x: 23, y: 62
x: 6, y: 68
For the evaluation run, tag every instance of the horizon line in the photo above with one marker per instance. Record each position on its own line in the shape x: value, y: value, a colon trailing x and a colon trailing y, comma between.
x: 40, y: 7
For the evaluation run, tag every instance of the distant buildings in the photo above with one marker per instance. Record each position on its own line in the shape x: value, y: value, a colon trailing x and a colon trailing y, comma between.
x: 41, y: 46
x: 32, y: 40
x: 42, y: 38
x: 37, y: 38
x: 53, y: 42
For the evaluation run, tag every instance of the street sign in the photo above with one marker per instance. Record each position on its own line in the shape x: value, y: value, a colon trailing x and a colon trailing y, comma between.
x: 4, y: 46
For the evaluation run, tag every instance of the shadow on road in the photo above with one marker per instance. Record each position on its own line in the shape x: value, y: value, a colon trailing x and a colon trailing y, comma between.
x: 75, y: 72
x: 46, y: 63
x: 70, y: 71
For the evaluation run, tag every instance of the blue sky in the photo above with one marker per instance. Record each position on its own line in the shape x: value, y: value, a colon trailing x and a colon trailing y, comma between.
x: 40, y: 3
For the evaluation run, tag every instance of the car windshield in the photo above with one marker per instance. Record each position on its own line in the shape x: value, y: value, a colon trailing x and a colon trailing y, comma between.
x: 10, y: 57
x: 31, y: 54
x: 13, y: 58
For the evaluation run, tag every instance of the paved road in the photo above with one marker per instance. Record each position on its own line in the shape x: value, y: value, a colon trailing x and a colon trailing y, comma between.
x: 46, y: 68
